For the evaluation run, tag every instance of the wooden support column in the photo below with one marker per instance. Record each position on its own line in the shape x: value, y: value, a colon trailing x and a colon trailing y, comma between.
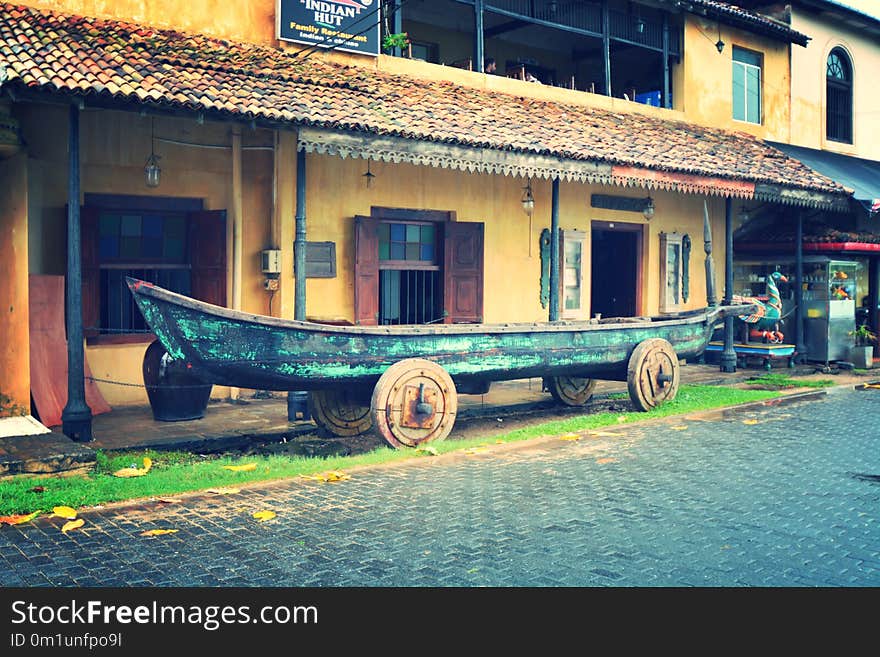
x: 873, y: 292
x: 398, y: 24
x: 76, y: 418
x: 728, y: 355
x: 800, y: 318
x: 606, y: 45
x: 478, y: 36
x: 237, y: 220
x: 554, y: 251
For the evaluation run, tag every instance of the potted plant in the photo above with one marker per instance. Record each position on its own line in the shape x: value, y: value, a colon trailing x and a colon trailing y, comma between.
x: 862, y: 353
x: 396, y: 40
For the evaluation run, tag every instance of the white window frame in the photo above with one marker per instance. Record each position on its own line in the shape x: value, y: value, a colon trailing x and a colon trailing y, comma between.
x: 578, y: 237
x: 746, y: 69
x: 671, y: 280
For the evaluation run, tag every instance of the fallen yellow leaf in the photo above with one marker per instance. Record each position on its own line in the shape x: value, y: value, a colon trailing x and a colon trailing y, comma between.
x: 18, y: 519
x: 330, y: 475
x: 570, y: 436
x: 135, y: 472
x: 606, y: 460
x: 680, y: 427
x: 224, y: 491
x: 247, y: 467
x: 64, y: 512
x: 476, y: 450
x: 621, y: 418
x: 70, y: 525
x: 159, y: 532
x: 750, y: 422
x: 263, y: 516
x: 427, y: 449
x: 130, y: 472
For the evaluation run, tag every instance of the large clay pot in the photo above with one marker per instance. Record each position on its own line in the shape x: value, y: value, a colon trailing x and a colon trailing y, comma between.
x: 175, y: 393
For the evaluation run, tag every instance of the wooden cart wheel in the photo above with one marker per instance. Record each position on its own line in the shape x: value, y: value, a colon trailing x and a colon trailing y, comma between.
x: 414, y: 402
x: 570, y: 390
x: 339, y: 412
x: 653, y: 374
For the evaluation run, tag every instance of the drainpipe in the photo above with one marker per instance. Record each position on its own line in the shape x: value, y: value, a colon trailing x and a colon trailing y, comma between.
x: 478, y: 36
x: 728, y: 355
x: 800, y: 345
x: 554, y: 251
x: 76, y: 418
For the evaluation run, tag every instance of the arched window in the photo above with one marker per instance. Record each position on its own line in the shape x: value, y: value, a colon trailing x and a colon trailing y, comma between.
x: 838, y: 86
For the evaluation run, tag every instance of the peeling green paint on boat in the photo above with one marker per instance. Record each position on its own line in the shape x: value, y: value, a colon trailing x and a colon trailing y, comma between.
x: 229, y: 348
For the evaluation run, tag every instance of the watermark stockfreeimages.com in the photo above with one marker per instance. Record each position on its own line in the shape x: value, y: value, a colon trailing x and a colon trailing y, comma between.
x: 209, y: 617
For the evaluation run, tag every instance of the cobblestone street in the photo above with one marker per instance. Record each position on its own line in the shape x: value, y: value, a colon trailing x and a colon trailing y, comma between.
x: 785, y: 496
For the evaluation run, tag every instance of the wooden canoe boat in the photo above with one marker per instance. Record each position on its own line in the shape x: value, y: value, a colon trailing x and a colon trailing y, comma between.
x: 404, y: 379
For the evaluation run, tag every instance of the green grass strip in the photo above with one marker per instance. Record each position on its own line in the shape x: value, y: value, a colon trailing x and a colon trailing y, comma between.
x: 178, y: 472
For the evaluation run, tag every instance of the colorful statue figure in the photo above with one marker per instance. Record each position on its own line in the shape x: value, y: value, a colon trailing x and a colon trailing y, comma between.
x: 765, y: 322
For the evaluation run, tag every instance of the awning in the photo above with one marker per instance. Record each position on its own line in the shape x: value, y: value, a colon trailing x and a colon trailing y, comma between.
x: 862, y: 176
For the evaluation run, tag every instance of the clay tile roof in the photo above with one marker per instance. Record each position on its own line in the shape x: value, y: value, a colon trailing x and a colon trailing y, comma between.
x: 746, y: 18
x: 165, y: 68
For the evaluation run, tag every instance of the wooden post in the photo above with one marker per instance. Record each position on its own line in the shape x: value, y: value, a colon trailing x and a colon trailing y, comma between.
x: 478, y: 36
x: 606, y: 45
x: 237, y: 220
x: 800, y: 342
x: 554, y: 251
x: 728, y: 355
x: 76, y: 418
x: 711, y: 299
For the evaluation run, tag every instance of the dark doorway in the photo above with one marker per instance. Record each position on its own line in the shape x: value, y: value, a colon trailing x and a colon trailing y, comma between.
x: 616, y: 267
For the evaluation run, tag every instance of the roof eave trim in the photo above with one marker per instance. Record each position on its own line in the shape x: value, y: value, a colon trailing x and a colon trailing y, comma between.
x: 530, y: 165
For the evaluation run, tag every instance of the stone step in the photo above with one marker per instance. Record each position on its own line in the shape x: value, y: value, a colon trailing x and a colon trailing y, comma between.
x: 45, y: 453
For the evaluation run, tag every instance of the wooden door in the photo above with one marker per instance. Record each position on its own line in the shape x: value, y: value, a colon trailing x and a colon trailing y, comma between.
x: 207, y: 255
x: 463, y: 273
x: 366, y: 271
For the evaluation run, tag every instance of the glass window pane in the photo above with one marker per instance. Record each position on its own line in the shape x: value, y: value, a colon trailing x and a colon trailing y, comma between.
x: 753, y: 96
x: 427, y: 235
x: 130, y: 247
x: 152, y: 225
x: 108, y: 224
x: 412, y: 233
x: 384, y: 251
x: 746, y: 56
x: 174, y: 227
x: 412, y: 251
x: 428, y: 252
x: 739, y: 92
x: 174, y: 249
x: 384, y: 232
x: 152, y: 247
x: 108, y: 247
x: 398, y: 232
x: 130, y: 225
x: 398, y: 251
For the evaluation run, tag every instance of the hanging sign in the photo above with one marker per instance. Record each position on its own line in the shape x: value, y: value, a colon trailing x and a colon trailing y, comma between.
x: 350, y: 25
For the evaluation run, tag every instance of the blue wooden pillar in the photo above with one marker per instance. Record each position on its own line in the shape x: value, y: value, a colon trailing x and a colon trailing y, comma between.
x: 554, y: 251
x: 728, y: 355
x: 296, y: 401
x: 76, y: 418
x: 478, y: 36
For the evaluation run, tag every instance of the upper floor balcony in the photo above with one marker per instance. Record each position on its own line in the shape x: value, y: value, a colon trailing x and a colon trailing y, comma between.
x: 614, y: 48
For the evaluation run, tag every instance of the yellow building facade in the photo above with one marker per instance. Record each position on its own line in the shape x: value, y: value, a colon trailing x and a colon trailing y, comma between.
x: 249, y: 171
